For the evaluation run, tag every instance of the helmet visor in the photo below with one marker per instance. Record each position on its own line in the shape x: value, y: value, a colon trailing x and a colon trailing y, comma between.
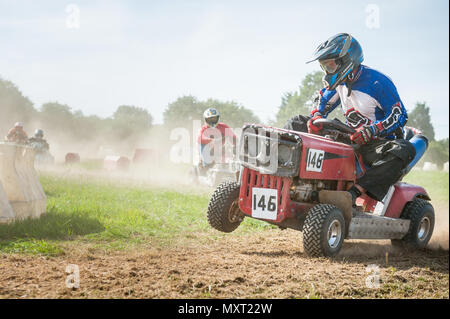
x: 329, y: 66
x: 212, y: 121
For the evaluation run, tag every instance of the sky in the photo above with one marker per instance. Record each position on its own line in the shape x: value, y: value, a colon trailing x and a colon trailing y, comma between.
x: 97, y: 55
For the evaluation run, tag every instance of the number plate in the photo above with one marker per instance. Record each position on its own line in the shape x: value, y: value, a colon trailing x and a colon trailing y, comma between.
x: 264, y: 203
x: 314, y: 160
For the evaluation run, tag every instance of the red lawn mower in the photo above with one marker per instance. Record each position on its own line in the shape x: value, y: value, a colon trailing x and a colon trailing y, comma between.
x: 298, y: 180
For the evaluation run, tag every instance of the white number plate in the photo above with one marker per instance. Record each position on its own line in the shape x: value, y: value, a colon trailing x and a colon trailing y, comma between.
x: 314, y: 160
x: 264, y: 203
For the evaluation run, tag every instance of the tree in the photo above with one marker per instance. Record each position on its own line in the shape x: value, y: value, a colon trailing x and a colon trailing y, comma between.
x: 57, y: 117
x: 71, y: 128
x: 14, y: 106
x: 420, y: 118
x: 300, y: 102
x: 437, y: 152
x: 185, y: 109
x: 129, y: 120
x: 232, y: 113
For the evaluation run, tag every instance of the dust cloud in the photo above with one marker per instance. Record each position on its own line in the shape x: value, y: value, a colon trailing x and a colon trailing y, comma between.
x: 440, y: 239
x: 157, y: 167
x: 160, y: 169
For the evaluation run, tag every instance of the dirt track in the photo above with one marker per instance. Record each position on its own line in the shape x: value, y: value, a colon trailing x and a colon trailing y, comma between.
x: 270, y: 264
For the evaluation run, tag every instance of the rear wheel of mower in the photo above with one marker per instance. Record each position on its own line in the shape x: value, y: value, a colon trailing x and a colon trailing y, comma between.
x: 223, y: 209
x: 323, y: 231
x: 421, y: 214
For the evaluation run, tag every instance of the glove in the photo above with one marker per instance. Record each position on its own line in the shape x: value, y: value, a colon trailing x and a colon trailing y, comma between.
x: 314, y: 129
x: 364, y: 135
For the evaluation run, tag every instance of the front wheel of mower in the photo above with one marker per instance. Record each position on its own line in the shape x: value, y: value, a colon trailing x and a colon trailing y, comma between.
x: 223, y: 209
x: 421, y: 214
x: 323, y: 231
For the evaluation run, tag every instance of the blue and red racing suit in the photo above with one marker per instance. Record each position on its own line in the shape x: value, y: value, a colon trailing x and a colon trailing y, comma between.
x: 373, y: 101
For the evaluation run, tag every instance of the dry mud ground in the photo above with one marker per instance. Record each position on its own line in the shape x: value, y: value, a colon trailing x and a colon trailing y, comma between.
x: 269, y: 264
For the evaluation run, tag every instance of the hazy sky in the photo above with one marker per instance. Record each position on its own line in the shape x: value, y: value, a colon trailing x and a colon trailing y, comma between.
x: 148, y: 53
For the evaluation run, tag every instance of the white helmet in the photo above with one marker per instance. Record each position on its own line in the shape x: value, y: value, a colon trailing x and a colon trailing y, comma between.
x: 18, y: 124
x: 211, y: 117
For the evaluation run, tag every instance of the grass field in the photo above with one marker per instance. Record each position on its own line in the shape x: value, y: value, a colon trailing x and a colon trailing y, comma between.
x: 106, y: 217
x: 435, y: 182
x: 110, y: 215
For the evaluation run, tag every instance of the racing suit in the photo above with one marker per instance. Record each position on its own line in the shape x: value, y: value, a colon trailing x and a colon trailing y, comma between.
x: 370, y: 99
x: 17, y: 135
x: 211, y: 139
x: 40, y: 144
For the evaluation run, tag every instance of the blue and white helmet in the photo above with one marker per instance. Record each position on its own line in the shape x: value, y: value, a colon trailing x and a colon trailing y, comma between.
x: 39, y: 133
x: 338, y: 57
x: 211, y: 117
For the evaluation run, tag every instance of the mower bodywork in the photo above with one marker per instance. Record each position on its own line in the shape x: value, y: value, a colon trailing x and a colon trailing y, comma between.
x: 298, y: 180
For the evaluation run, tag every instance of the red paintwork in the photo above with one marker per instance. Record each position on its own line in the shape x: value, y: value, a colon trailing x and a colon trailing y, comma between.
x: 368, y: 204
x: 332, y: 169
x: 361, y: 165
x: 72, y: 158
x: 116, y: 163
x: 251, y: 178
x: 403, y: 194
x: 340, y: 169
x: 298, y: 207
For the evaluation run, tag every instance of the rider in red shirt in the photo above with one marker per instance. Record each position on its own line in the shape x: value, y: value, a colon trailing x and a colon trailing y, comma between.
x: 17, y: 134
x: 213, y: 136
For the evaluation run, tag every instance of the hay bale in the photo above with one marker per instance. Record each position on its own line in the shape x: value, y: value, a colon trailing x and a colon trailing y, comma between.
x: 116, y: 163
x: 20, y: 184
x: 428, y: 166
x: 144, y: 155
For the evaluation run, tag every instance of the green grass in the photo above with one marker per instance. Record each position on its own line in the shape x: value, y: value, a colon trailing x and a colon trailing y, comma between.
x: 434, y: 182
x: 90, y: 164
x: 31, y: 246
x: 111, y: 215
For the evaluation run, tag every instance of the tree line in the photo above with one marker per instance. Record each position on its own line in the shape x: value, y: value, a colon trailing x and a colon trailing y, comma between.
x: 127, y: 122
x: 131, y: 123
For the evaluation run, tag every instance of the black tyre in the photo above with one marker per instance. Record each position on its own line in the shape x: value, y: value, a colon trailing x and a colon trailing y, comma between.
x: 223, y: 209
x: 222, y: 178
x: 323, y: 231
x: 421, y: 214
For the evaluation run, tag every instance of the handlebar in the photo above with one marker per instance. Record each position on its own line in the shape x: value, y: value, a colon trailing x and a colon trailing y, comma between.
x: 335, y: 125
x: 339, y: 127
